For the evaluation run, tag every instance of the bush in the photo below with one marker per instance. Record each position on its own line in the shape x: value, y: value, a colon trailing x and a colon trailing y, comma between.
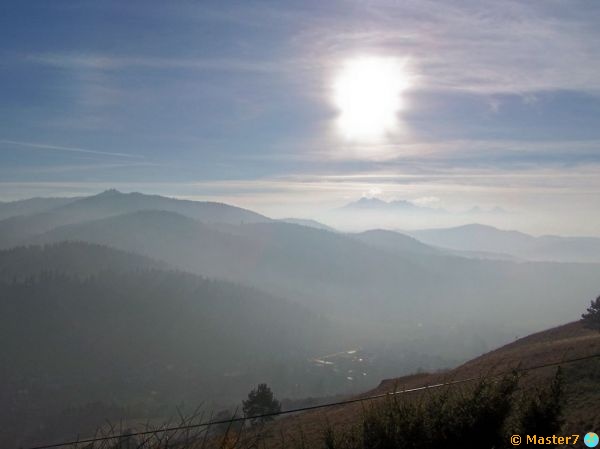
x: 541, y: 412
x: 483, y: 416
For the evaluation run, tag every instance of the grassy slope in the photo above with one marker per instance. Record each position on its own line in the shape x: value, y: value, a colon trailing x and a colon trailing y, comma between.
x: 582, y: 381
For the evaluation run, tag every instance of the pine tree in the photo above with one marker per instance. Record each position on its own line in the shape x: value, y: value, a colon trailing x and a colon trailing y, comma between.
x: 591, y: 319
x: 260, y: 402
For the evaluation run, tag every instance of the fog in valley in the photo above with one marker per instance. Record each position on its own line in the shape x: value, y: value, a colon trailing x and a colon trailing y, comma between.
x: 130, y: 305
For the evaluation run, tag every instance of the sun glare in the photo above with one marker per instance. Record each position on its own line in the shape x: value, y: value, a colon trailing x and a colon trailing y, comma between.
x: 367, y: 93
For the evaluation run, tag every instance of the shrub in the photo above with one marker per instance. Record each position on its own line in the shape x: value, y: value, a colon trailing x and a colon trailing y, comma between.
x: 483, y: 416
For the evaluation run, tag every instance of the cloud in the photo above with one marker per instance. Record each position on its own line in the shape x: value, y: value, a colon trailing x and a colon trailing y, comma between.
x: 372, y: 192
x: 52, y: 147
x: 485, y: 47
x: 78, y: 167
x: 426, y: 200
x: 110, y: 62
x: 429, y: 156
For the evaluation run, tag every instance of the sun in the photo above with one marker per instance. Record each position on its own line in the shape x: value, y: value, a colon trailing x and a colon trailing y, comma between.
x: 367, y: 93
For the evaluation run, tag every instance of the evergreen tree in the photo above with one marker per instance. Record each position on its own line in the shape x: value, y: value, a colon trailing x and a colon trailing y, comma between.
x: 591, y: 319
x: 260, y: 402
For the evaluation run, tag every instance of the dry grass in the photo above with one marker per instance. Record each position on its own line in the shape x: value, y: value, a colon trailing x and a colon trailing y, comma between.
x: 560, y: 343
x: 307, y: 430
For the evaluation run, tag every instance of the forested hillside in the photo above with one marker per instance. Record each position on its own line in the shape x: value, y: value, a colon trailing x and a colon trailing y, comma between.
x: 104, y: 327
x: 311, y: 311
x: 76, y: 258
x: 339, y: 275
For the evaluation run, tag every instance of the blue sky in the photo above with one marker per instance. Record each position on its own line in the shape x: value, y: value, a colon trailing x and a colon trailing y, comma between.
x: 232, y: 101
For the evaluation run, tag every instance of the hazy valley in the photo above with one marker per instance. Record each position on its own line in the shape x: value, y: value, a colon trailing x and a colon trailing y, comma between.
x: 299, y: 225
x: 143, y: 302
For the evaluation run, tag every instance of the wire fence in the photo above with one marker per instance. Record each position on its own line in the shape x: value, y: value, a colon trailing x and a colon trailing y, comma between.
x: 182, y: 431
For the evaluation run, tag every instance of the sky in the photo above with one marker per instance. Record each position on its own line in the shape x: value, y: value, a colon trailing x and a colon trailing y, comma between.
x: 496, y: 105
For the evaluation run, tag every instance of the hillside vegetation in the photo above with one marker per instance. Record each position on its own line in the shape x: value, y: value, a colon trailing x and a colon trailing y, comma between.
x: 76, y: 258
x: 502, y: 398
x: 338, y: 275
x: 108, y: 327
x: 578, y: 408
x: 132, y: 303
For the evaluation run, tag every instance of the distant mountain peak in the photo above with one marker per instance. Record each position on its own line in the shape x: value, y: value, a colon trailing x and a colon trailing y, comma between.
x: 487, y: 228
x: 110, y: 192
x: 366, y: 203
x: 372, y: 200
x: 373, y: 203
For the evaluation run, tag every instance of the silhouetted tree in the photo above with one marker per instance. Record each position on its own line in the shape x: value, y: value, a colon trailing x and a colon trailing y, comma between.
x: 591, y: 319
x: 260, y: 401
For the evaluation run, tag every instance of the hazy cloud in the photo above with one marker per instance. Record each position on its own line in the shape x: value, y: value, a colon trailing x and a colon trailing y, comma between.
x: 51, y: 147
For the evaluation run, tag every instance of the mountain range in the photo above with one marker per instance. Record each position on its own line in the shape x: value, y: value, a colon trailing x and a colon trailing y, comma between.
x: 18, y: 228
x: 31, y: 206
x: 376, y: 204
x: 167, y: 297
x: 477, y: 237
x: 384, y: 277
